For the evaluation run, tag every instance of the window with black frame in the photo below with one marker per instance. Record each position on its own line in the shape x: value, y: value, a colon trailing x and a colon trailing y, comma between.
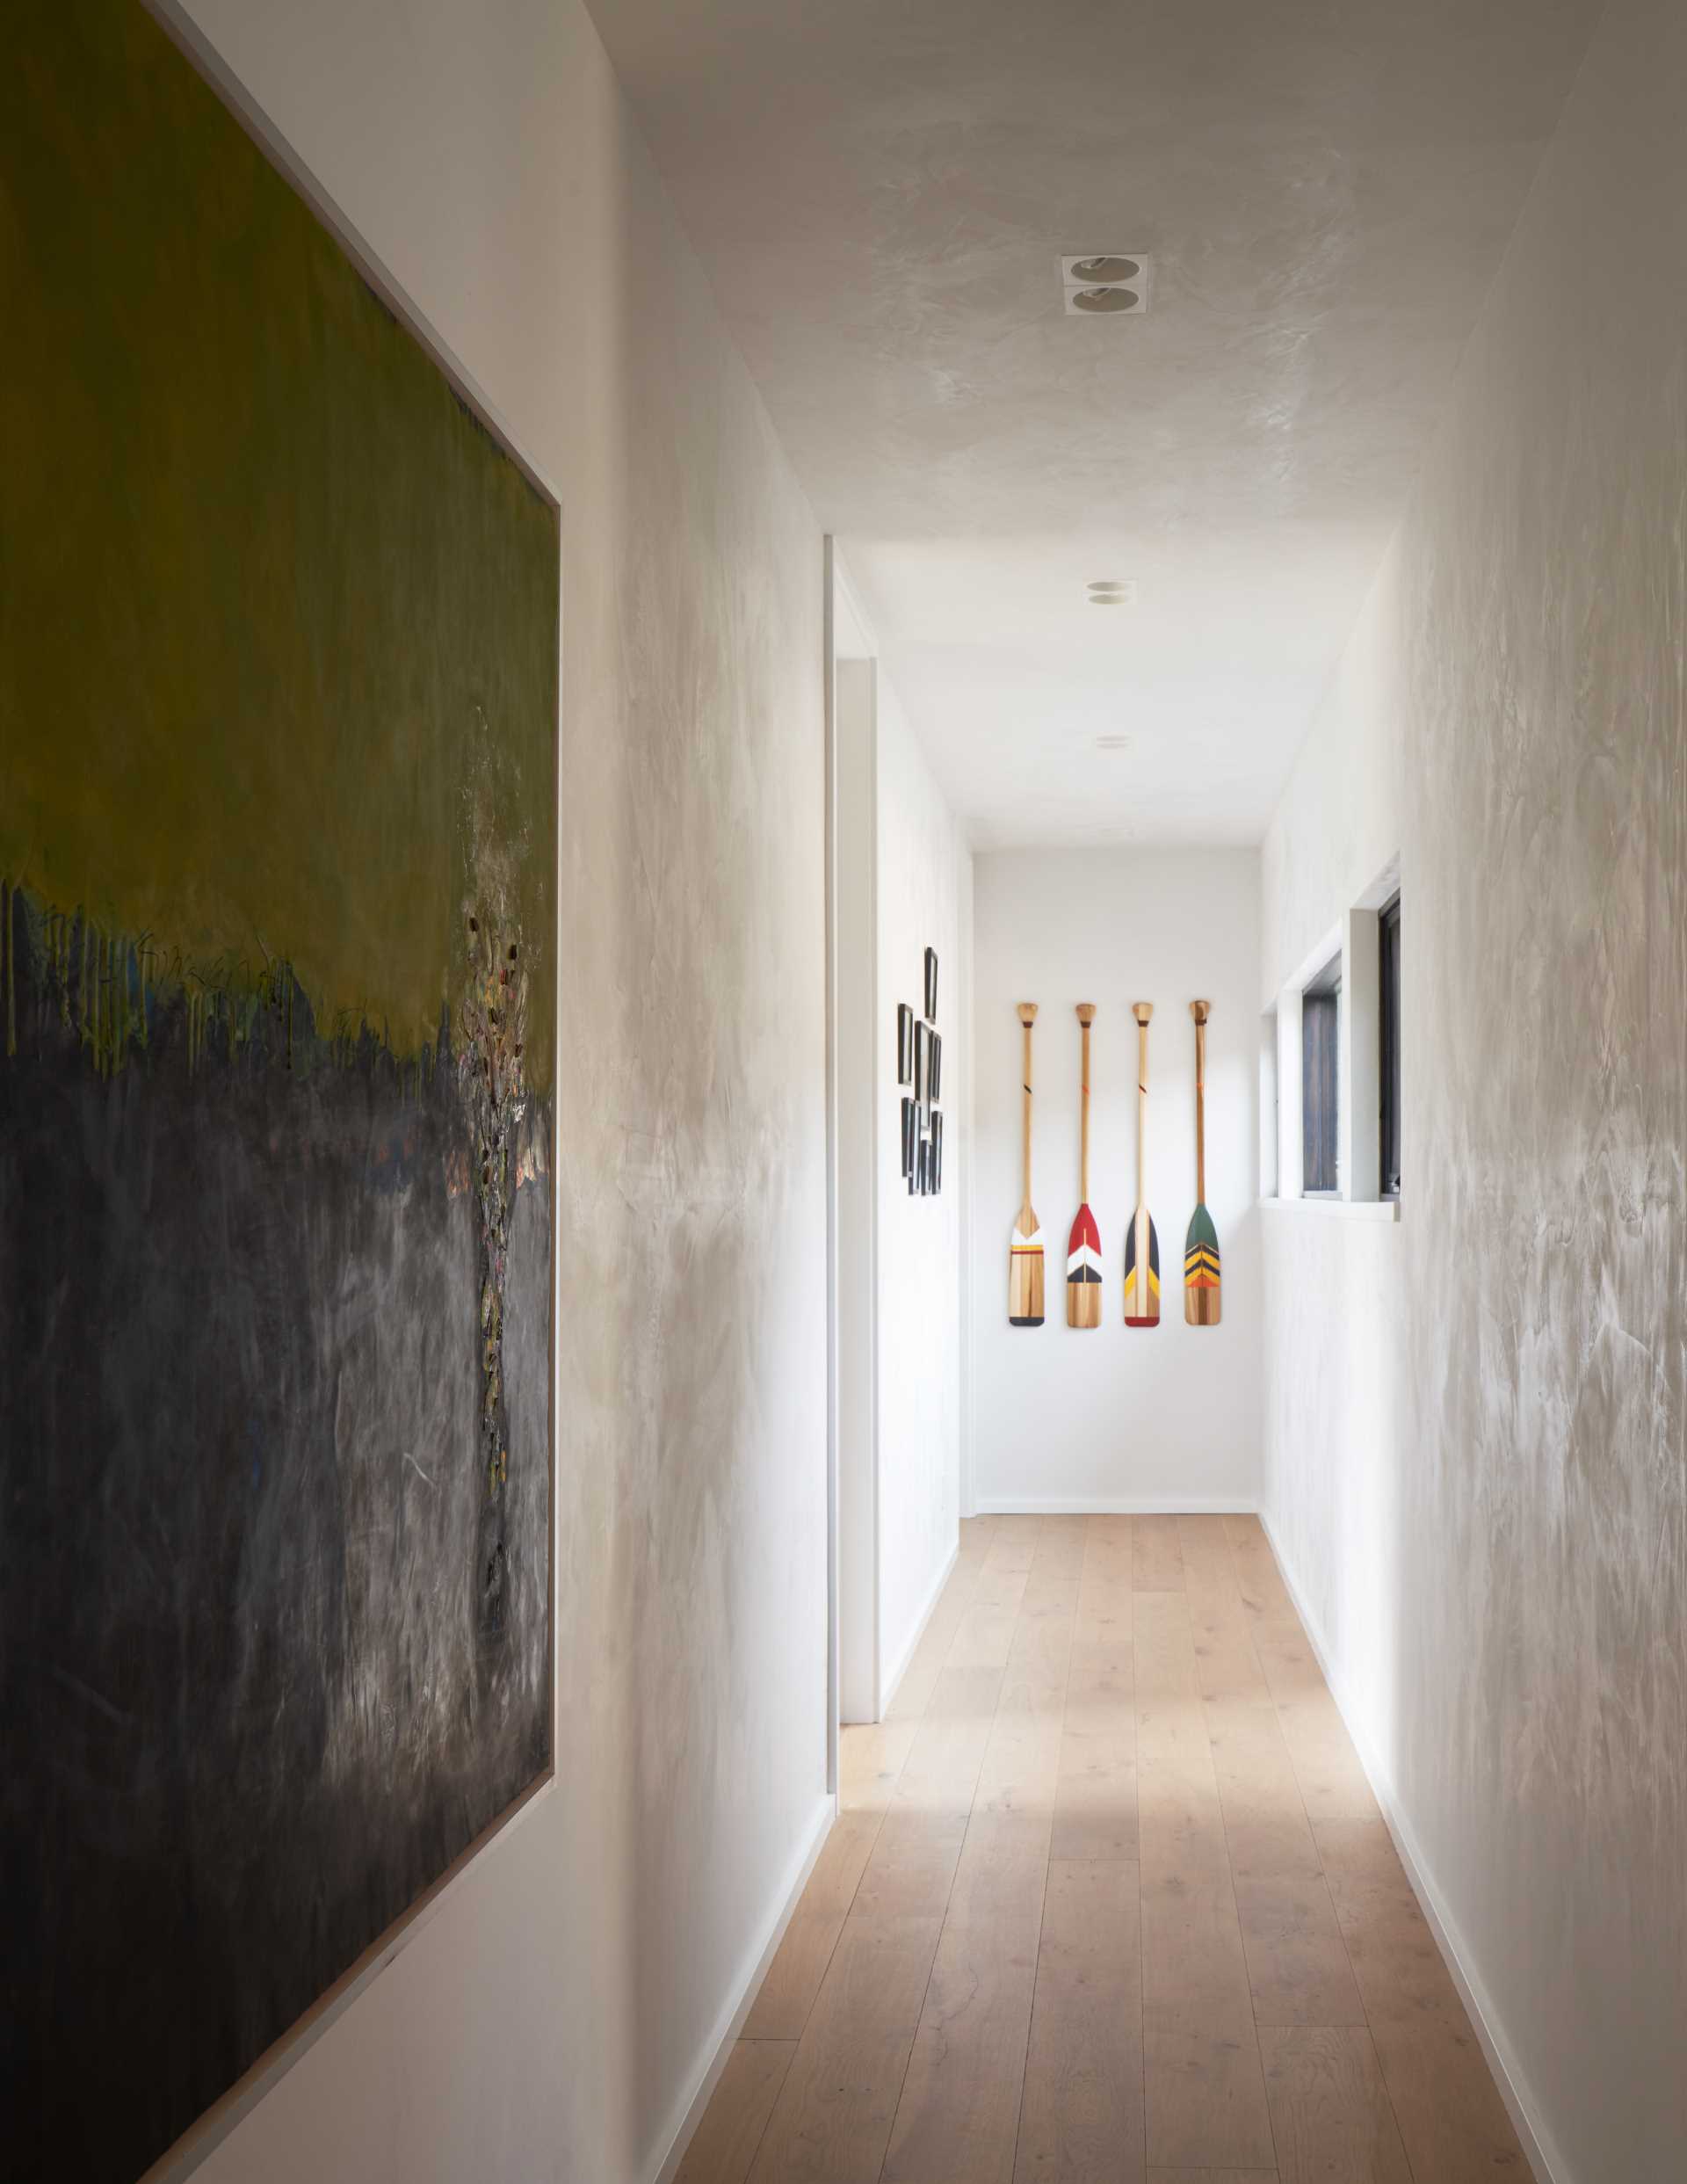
x: 1389, y: 992
x: 1320, y: 1038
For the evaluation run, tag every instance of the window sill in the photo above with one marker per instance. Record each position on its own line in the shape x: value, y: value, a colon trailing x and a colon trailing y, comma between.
x: 1338, y: 1208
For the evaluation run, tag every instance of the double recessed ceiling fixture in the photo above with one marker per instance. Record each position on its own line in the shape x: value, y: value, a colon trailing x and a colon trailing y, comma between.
x: 1113, y: 592
x: 1107, y: 283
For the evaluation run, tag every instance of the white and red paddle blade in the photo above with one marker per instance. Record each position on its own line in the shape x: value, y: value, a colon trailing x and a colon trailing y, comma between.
x: 1083, y: 1271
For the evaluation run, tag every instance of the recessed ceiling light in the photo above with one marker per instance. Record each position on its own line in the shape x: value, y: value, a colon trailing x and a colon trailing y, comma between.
x: 1112, y: 743
x: 1107, y: 283
x: 1116, y: 591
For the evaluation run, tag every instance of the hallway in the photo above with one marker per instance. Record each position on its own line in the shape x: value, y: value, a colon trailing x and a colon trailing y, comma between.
x: 1108, y: 1897
x: 791, y: 797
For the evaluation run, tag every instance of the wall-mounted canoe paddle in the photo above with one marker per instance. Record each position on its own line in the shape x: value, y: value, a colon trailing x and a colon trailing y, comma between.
x: 1201, y: 1290
x: 1083, y: 1245
x: 1141, y: 1246
x: 1025, y: 1254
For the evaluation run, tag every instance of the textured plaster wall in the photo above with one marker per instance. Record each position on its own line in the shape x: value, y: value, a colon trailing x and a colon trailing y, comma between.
x: 1474, y: 1447
x: 919, y: 868
x: 1115, y: 1417
x: 550, y: 2020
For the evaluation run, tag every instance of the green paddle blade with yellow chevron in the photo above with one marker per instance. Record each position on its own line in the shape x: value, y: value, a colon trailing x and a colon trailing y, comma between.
x: 1201, y: 1285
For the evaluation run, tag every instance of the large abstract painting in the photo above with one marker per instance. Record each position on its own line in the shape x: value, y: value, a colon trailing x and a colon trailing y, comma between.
x: 279, y: 661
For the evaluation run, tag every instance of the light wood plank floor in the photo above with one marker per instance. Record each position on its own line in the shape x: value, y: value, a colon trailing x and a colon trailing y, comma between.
x: 1109, y: 1902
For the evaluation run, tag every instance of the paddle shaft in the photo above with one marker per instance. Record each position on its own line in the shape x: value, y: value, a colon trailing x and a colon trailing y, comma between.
x: 1201, y: 1110
x: 1027, y: 1017
x: 1142, y: 1112
x: 1084, y: 1127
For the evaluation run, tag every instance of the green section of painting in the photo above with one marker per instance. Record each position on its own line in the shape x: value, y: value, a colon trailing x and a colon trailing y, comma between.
x: 278, y: 619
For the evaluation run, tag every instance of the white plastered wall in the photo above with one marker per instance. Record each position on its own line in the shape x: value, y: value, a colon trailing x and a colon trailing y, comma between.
x: 1117, y: 1417
x: 920, y: 860
x: 554, y: 2019
x: 903, y: 885
x: 1474, y: 1460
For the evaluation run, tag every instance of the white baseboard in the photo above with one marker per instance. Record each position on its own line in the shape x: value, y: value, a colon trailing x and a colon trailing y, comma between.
x: 1116, y: 1505
x: 1539, y: 2149
x: 718, y: 2048
x: 893, y: 1681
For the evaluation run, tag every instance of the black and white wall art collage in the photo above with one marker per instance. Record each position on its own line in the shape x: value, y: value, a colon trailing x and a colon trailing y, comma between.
x: 919, y: 1065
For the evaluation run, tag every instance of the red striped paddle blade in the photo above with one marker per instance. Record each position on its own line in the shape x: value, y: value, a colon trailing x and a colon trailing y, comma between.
x: 1083, y: 1247
x: 1083, y: 1271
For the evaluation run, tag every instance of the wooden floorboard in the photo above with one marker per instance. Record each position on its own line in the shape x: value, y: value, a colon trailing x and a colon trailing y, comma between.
x: 1206, y: 2091
x: 1213, y: 2176
x: 1297, y: 1962
x: 985, y: 1630
x: 1453, y: 2123
x: 1109, y: 1901
x: 959, y: 2115
x: 1095, y: 1798
x: 1333, y: 1783
x: 1081, y: 2118
x: 832, y: 2121
x: 1157, y: 1564
x: 1329, y: 2109
x: 781, y: 2010
x: 940, y: 1773
x: 871, y: 1760
x: 725, y: 2143
x: 912, y: 1867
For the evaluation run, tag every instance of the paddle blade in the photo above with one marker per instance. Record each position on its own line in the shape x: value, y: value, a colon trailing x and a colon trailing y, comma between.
x: 1141, y: 1272
x: 1201, y: 1290
x: 1026, y: 1272
x: 1083, y: 1271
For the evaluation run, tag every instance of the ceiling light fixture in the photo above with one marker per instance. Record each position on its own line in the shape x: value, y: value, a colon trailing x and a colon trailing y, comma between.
x: 1107, y: 283
x: 1104, y: 300
x: 1087, y: 271
x: 1113, y: 592
x: 1112, y: 743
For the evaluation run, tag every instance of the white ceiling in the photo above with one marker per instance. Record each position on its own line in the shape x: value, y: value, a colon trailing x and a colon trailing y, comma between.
x: 882, y: 189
